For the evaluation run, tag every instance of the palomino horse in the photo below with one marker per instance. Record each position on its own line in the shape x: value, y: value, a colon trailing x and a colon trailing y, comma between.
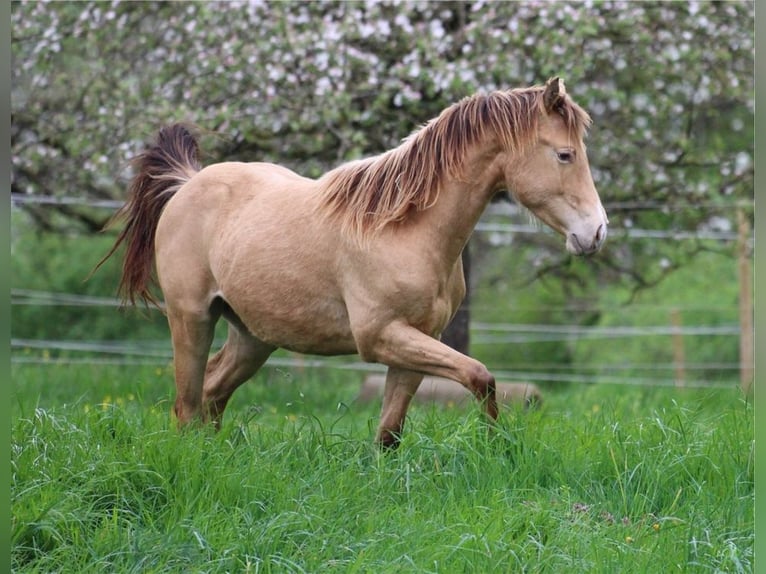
x: 365, y: 259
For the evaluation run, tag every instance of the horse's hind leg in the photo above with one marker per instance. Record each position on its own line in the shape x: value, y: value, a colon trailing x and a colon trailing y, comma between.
x: 400, y: 387
x: 192, y: 334
x: 238, y: 360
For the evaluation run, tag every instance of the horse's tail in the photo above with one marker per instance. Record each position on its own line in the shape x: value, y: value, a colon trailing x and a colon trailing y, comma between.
x: 160, y: 171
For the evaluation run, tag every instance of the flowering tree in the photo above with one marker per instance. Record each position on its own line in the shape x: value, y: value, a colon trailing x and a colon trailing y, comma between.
x: 309, y: 85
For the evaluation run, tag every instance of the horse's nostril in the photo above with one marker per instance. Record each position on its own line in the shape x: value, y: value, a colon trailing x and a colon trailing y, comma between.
x: 600, y: 234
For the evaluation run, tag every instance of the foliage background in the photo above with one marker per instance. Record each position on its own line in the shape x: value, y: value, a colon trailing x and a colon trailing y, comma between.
x: 669, y: 85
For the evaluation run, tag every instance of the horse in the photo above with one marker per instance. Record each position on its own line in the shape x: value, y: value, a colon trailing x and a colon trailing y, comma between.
x: 365, y: 259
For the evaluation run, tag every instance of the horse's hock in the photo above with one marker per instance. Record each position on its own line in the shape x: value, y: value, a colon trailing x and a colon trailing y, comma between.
x: 449, y: 392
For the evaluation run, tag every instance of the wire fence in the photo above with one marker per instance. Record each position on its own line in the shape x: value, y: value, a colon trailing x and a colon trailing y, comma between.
x: 60, y: 352
x: 54, y: 352
x: 39, y: 298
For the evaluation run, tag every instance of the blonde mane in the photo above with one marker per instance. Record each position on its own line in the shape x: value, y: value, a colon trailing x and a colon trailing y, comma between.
x: 368, y: 194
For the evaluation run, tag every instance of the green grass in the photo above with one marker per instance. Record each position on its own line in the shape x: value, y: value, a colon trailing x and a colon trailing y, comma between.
x: 600, y: 479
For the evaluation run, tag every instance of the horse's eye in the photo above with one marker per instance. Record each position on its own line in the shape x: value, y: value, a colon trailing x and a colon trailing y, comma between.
x: 565, y: 155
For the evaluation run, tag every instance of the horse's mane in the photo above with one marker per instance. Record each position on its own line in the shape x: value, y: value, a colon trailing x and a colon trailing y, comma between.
x: 366, y: 195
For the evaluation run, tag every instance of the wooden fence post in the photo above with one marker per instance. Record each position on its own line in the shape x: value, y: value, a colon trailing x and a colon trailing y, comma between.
x: 746, y: 356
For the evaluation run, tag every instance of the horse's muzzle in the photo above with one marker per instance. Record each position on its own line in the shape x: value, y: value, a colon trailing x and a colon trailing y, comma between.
x: 578, y: 245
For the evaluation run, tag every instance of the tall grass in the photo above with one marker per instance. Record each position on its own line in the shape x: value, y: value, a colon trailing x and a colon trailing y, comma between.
x: 600, y: 479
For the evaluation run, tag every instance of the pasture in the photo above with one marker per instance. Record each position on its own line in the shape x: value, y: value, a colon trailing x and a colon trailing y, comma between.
x: 599, y: 479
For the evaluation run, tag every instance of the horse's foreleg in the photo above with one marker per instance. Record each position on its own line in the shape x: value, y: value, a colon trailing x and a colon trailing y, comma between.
x: 400, y: 387
x: 238, y: 360
x: 192, y: 335
x: 404, y: 347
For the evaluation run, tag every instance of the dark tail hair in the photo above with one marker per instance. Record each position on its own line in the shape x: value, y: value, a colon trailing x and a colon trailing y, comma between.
x: 160, y: 171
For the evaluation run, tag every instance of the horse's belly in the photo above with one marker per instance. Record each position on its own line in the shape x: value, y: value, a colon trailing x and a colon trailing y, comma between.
x: 305, y: 325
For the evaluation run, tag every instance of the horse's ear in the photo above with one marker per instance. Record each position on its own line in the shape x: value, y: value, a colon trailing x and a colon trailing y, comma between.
x: 554, y: 94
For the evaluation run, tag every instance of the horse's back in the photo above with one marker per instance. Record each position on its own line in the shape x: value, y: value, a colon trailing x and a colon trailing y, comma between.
x: 222, y: 191
x: 241, y: 181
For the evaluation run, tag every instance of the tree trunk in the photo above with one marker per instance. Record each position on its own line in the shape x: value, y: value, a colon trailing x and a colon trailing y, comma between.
x: 456, y: 334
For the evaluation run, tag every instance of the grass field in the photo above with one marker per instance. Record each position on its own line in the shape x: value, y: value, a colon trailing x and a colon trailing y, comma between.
x: 600, y: 479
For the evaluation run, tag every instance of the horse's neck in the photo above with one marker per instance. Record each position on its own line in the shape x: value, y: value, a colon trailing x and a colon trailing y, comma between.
x: 461, y: 203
